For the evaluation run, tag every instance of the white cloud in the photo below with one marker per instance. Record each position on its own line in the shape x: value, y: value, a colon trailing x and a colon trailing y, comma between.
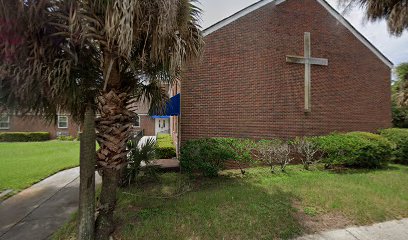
x: 396, y: 49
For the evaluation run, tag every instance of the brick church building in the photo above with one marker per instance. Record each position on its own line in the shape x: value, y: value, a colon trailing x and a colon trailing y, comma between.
x: 285, y: 68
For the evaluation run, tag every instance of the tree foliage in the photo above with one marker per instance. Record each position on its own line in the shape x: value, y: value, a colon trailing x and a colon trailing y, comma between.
x: 400, y: 89
x: 52, y: 51
x: 395, y: 12
x: 59, y: 55
x: 400, y: 97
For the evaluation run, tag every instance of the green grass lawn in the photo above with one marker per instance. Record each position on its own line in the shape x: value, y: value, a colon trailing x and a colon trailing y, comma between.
x: 23, y: 164
x: 259, y: 205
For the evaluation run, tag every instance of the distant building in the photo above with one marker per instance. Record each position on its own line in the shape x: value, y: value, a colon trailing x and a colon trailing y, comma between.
x: 64, y: 126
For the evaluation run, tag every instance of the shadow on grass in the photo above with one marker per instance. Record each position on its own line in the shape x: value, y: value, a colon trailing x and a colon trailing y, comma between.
x: 227, y: 207
x: 258, y: 205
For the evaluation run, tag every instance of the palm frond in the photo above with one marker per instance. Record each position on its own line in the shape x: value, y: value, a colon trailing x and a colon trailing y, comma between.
x: 395, y: 12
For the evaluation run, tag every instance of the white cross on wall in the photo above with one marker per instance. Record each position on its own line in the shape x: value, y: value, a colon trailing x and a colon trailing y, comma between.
x: 308, y: 61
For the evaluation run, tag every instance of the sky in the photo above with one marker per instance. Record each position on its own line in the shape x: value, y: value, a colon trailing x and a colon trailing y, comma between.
x: 394, y: 48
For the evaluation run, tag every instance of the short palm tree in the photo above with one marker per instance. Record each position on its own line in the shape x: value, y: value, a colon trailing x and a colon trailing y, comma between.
x: 139, y: 152
x: 395, y: 12
x: 68, y: 55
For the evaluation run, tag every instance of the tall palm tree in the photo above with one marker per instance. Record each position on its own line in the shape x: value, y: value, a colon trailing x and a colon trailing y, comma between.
x: 130, y: 47
x: 38, y: 75
x: 395, y: 12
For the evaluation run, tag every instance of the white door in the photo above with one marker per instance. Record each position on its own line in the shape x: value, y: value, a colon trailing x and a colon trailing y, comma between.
x: 162, y: 126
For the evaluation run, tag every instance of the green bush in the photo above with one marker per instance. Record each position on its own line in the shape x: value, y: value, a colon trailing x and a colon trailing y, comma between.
x: 208, y: 156
x: 24, y: 136
x: 165, y: 148
x: 399, y: 137
x: 242, y: 148
x: 355, y: 149
x: 65, y: 138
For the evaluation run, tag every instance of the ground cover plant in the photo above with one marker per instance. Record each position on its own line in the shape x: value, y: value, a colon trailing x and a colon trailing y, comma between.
x: 257, y: 205
x: 23, y: 164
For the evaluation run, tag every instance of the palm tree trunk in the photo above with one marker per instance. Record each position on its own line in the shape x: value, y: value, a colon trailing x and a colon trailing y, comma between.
x: 104, y: 222
x: 87, y: 177
x: 113, y: 132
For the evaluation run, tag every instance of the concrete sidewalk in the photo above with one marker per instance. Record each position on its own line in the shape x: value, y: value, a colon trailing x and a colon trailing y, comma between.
x: 392, y: 230
x: 37, y: 212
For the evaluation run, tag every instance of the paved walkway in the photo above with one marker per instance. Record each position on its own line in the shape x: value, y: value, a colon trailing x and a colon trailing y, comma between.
x: 37, y: 212
x: 392, y: 230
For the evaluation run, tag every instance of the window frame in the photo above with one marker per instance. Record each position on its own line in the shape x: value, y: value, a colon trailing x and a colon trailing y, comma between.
x: 8, y: 122
x: 62, y: 116
x: 139, y: 123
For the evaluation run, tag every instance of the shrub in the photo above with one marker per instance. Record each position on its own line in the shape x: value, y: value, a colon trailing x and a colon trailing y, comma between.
x: 307, y: 150
x: 24, y: 136
x: 283, y: 155
x: 138, y: 153
x: 274, y: 153
x: 242, y: 149
x: 65, y: 138
x: 399, y: 137
x: 266, y: 151
x: 208, y: 156
x: 356, y: 149
x: 165, y: 148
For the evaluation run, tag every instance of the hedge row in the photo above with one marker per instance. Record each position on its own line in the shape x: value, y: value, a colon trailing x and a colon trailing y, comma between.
x: 24, y: 136
x: 355, y: 149
x: 165, y: 148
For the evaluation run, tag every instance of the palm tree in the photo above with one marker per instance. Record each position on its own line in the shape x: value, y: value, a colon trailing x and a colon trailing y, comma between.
x: 401, y: 85
x: 394, y: 12
x: 37, y: 75
x: 130, y: 47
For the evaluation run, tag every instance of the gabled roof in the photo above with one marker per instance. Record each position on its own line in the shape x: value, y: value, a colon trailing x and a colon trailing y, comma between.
x: 327, y: 6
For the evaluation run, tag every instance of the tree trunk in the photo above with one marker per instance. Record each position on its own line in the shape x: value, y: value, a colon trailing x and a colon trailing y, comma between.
x: 113, y: 133
x: 104, y: 222
x: 87, y: 158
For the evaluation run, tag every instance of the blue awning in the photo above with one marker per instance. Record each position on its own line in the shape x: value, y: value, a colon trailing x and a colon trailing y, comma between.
x: 160, y: 117
x: 172, y: 108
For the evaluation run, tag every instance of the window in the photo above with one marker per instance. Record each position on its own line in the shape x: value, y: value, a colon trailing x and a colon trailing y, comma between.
x: 137, y: 121
x: 62, y: 122
x: 4, y: 122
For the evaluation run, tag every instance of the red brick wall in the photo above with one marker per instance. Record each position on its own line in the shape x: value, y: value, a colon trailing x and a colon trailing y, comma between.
x: 36, y: 124
x: 243, y: 87
x: 147, y: 124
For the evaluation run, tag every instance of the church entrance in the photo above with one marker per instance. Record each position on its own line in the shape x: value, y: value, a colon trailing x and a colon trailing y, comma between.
x: 162, y: 125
